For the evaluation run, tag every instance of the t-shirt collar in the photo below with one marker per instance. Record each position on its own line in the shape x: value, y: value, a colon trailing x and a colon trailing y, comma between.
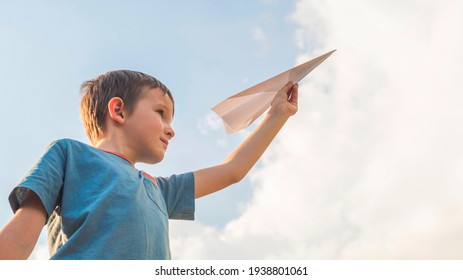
x: 119, y: 155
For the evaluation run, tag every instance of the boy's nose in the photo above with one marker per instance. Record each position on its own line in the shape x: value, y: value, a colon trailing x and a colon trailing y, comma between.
x: 169, y: 131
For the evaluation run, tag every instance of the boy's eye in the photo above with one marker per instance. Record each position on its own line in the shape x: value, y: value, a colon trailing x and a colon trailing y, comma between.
x: 160, y: 112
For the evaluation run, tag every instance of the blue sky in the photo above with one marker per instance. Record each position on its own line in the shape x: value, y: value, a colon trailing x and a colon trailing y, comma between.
x: 369, y: 167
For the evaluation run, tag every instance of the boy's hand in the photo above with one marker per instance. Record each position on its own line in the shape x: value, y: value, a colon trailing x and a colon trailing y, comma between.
x: 285, y: 101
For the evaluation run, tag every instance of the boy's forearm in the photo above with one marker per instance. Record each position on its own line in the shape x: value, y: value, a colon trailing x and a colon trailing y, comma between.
x: 240, y: 161
x: 246, y: 155
x: 19, y: 236
x: 249, y: 152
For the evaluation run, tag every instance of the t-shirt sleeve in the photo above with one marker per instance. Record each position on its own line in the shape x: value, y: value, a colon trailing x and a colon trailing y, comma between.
x: 179, y: 194
x: 45, y: 179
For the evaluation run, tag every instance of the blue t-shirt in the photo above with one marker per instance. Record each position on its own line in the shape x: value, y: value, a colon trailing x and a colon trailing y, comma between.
x: 100, y: 206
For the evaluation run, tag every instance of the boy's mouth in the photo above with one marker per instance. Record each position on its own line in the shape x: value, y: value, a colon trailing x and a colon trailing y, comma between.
x: 165, y: 141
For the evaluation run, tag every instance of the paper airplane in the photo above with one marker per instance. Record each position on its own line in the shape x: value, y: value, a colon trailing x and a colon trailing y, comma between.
x: 240, y: 110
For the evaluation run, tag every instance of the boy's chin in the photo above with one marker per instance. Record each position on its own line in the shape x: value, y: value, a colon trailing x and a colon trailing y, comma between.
x: 154, y: 159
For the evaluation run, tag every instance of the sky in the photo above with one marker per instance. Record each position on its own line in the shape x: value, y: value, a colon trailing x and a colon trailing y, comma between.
x: 369, y: 167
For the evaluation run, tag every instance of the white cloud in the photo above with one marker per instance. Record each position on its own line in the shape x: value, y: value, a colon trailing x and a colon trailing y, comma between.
x: 209, y: 122
x: 261, y: 38
x: 371, y: 165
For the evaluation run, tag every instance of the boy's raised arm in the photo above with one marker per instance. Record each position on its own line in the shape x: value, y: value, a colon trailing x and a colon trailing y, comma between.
x: 240, y: 161
x: 19, y: 236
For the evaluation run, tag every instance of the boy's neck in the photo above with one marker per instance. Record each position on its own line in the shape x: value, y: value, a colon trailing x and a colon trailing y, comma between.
x: 115, y: 147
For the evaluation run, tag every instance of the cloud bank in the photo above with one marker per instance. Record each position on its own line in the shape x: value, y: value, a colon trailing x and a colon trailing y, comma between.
x: 371, y: 166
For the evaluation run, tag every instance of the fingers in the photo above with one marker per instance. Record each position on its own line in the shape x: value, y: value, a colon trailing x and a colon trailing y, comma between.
x: 287, y: 88
x: 291, y: 91
x: 286, y: 100
x: 294, y: 94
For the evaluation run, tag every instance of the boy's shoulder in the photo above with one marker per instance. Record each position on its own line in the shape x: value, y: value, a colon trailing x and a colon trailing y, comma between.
x: 67, y: 146
x: 70, y: 143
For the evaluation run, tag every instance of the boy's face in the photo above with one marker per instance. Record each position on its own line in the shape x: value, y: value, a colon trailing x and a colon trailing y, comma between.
x: 148, y: 128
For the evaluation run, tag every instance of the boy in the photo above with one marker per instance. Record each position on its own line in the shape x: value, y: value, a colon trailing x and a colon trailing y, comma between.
x: 95, y: 203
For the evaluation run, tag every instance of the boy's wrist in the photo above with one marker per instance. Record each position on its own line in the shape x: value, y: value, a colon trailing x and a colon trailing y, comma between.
x: 276, y: 117
x: 278, y: 113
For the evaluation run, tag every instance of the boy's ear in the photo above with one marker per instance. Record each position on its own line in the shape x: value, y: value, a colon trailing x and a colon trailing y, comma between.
x: 116, y: 109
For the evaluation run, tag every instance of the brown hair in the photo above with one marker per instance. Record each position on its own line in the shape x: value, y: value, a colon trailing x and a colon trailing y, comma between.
x: 97, y: 92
